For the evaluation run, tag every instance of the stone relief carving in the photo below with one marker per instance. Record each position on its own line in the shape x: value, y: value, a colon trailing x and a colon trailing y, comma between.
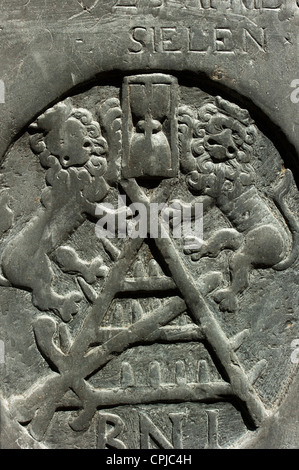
x: 217, y: 145
x: 139, y: 292
x: 70, y: 146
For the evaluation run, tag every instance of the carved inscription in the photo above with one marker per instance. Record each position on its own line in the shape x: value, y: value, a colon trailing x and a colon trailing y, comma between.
x: 235, y: 6
x: 133, y: 5
x: 111, y: 429
x: 197, y: 40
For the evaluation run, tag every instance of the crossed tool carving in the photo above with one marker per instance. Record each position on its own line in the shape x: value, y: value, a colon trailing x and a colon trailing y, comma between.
x: 71, y: 369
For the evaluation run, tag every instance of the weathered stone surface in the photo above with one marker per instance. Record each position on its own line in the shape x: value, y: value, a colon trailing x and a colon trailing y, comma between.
x: 137, y: 342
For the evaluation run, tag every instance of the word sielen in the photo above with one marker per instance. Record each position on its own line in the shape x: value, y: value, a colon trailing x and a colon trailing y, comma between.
x: 138, y: 220
x: 196, y: 39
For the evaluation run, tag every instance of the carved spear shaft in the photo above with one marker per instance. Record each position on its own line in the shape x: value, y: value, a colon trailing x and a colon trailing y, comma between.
x: 203, y: 316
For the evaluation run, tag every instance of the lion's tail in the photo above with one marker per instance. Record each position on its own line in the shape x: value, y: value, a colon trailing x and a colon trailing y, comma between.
x: 278, y: 197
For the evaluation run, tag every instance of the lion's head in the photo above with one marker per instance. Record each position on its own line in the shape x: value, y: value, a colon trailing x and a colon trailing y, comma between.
x: 225, y: 131
x: 222, y: 142
x: 71, y: 136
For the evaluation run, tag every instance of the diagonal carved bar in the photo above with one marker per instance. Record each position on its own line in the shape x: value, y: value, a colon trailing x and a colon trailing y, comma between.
x: 204, y: 317
x: 97, y: 358
x: 100, y: 356
x: 140, y: 330
x: 39, y: 403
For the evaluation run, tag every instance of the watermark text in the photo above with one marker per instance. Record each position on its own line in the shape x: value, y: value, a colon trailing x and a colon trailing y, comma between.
x: 137, y: 220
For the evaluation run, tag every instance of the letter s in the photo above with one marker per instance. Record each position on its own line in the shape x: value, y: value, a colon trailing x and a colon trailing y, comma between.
x: 138, y: 36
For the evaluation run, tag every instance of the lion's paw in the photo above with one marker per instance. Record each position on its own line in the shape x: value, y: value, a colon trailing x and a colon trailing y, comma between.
x: 97, y: 269
x: 227, y: 300
x: 69, y: 306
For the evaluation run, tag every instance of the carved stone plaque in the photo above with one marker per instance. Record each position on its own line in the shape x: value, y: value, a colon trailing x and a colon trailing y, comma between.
x: 149, y: 248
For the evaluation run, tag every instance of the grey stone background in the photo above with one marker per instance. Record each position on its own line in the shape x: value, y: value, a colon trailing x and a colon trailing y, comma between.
x: 50, y: 48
